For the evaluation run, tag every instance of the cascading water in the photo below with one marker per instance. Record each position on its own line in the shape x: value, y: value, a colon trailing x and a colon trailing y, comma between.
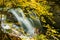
x: 35, y: 20
x: 27, y: 23
x: 22, y: 20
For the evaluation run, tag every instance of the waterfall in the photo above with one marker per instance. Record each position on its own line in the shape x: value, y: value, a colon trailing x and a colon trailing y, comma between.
x: 36, y: 21
x: 27, y: 23
x: 18, y: 13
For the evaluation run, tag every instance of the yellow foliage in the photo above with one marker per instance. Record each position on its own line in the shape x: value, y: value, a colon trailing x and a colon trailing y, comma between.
x: 40, y: 7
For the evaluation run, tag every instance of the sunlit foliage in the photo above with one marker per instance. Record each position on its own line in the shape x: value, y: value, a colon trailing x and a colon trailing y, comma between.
x: 41, y: 8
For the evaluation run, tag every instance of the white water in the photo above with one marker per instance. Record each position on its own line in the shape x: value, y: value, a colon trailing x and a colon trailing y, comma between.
x: 25, y: 22
x: 4, y: 26
x: 22, y: 20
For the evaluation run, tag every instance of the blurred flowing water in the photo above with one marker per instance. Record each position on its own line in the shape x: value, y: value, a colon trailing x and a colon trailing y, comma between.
x: 28, y: 24
x: 22, y: 20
